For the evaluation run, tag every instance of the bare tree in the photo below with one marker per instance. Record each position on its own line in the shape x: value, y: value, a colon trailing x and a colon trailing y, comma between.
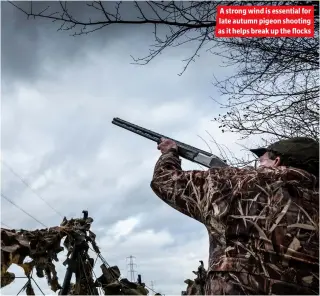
x: 275, y: 88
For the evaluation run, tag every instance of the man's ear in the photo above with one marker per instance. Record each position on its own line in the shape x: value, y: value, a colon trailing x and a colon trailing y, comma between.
x: 277, y: 161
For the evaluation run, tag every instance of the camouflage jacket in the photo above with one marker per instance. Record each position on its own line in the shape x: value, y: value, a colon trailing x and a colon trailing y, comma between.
x: 262, y: 222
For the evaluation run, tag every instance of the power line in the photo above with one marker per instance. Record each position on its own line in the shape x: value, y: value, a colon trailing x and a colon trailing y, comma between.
x: 131, y: 270
x: 108, y: 265
x: 10, y: 201
x: 35, y: 192
x: 131, y: 264
x: 152, y: 284
x: 4, y: 224
x: 151, y: 288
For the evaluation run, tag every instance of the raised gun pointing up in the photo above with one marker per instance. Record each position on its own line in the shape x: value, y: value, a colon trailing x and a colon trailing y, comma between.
x: 186, y: 151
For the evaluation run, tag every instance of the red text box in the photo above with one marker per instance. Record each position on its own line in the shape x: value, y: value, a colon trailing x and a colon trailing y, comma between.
x: 264, y: 21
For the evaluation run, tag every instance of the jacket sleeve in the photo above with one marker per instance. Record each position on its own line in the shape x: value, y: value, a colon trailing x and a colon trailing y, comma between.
x: 190, y: 192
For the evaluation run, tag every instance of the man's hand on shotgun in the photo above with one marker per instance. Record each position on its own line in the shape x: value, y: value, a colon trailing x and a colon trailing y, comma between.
x: 166, y: 145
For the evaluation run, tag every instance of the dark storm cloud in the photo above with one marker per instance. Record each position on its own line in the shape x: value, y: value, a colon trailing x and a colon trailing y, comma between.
x: 26, y: 42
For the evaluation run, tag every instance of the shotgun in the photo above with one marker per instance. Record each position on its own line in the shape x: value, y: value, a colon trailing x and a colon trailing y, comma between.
x: 184, y: 150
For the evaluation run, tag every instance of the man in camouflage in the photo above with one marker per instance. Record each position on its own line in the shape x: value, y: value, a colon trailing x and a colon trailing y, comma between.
x: 263, y: 223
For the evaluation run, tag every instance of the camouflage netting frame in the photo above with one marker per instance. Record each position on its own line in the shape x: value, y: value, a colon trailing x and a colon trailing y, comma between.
x: 42, y: 247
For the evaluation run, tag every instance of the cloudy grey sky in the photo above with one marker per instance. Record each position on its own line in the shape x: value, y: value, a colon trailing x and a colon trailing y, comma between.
x: 59, y: 95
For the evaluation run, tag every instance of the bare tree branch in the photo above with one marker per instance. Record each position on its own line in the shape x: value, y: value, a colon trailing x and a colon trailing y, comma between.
x: 275, y: 87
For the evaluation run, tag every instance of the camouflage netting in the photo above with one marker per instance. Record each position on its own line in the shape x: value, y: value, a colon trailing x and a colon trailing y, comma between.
x: 113, y: 285
x: 196, y: 287
x: 42, y: 247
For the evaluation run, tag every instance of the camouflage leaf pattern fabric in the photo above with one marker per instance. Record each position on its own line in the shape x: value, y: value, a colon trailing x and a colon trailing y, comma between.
x: 42, y: 246
x: 112, y: 284
x: 263, y: 224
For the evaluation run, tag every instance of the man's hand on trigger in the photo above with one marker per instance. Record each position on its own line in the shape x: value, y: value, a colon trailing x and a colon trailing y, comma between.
x: 167, y: 144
